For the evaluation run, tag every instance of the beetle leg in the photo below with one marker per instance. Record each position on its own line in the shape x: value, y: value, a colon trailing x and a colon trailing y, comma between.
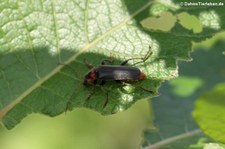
x: 121, y: 82
x: 102, y: 82
x: 95, y: 82
x: 90, y: 66
x: 69, y: 106
x: 147, y: 90
x: 107, y: 60
x: 126, y: 61
x: 91, y: 94
x: 144, y: 89
x: 106, y: 100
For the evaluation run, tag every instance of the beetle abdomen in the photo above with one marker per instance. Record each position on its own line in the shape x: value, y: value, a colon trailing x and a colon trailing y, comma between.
x: 117, y: 72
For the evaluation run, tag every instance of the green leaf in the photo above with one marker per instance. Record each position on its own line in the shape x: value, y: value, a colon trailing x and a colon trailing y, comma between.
x: 36, y: 36
x: 175, y: 127
x: 213, y: 145
x: 185, y: 86
x: 209, y: 112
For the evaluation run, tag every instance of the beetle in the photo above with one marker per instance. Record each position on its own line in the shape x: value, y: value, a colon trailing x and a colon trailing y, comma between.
x: 113, y: 72
x: 119, y: 73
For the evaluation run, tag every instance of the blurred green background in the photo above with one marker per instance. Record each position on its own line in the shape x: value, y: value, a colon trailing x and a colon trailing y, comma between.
x: 81, y: 128
x: 86, y: 129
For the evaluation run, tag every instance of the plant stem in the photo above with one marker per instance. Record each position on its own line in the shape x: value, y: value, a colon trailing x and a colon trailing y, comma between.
x: 173, y: 139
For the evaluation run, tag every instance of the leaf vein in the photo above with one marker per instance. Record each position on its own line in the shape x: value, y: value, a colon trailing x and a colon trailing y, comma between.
x: 72, y: 58
x: 51, y: 91
x: 7, y: 82
x: 30, y: 45
x: 56, y: 30
x: 86, y: 21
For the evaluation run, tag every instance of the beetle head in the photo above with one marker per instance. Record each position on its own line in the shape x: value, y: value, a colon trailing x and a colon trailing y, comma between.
x: 90, y: 77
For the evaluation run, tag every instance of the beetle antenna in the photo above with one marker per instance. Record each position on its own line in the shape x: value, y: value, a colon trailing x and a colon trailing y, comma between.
x: 149, y: 53
x: 146, y: 57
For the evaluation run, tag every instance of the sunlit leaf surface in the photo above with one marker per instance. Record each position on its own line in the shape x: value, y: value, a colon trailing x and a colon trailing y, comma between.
x: 43, y: 45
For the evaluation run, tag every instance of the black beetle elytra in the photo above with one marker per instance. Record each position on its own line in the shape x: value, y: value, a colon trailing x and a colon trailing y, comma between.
x: 119, y: 73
